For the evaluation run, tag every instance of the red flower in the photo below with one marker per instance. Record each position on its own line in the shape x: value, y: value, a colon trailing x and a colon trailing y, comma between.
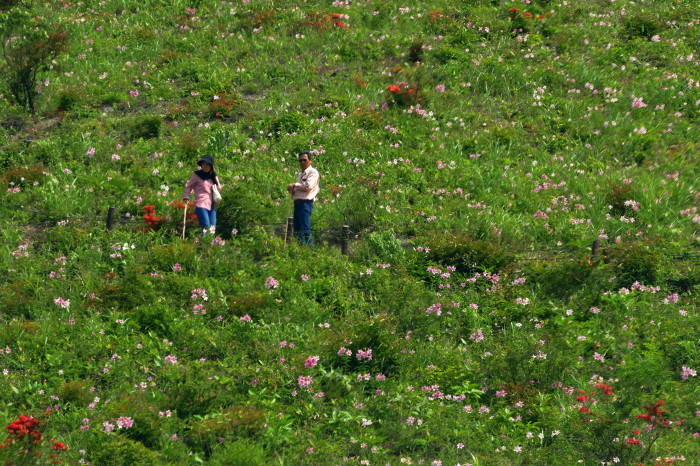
x: 656, y: 409
x: 59, y: 446
x: 394, y: 89
x: 632, y: 441
x: 607, y: 389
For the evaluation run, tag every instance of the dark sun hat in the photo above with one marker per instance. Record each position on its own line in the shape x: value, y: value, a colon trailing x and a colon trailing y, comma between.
x: 208, y: 159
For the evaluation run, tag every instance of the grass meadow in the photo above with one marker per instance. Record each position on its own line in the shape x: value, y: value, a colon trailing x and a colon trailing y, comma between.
x: 520, y: 180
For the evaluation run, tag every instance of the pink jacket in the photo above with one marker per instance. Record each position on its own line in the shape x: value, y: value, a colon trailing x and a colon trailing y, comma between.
x: 203, y: 196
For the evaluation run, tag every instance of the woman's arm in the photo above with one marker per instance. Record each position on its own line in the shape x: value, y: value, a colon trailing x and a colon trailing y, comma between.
x: 189, y: 187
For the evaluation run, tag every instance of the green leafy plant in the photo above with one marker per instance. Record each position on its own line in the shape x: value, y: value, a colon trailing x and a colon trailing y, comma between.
x: 28, y: 47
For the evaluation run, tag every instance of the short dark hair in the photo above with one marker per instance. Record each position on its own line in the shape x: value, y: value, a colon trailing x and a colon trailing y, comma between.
x: 306, y: 153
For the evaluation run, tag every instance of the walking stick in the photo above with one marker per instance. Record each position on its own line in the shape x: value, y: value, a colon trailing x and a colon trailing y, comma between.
x: 184, y: 220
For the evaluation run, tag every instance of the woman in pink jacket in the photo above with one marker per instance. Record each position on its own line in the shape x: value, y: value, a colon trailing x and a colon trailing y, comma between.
x: 202, y: 182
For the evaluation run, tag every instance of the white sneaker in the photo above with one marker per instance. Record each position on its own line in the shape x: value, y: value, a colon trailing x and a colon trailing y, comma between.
x: 204, y: 231
x: 212, y: 229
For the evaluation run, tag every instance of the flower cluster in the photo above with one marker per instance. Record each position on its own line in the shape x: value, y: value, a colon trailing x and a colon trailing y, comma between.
x: 435, y: 308
x: 271, y: 283
x: 402, y: 94
x: 125, y: 422
x: 23, y: 429
x: 24, y: 433
x: 152, y: 221
x: 304, y: 380
x: 60, y: 302
x: 323, y: 20
x: 311, y: 361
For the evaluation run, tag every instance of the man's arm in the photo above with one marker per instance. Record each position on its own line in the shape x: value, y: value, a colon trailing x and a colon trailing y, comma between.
x: 309, y: 184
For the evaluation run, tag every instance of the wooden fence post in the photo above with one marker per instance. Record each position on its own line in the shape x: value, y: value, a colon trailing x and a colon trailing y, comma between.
x: 594, y: 250
x: 110, y: 218
x: 288, y: 229
x: 344, y: 240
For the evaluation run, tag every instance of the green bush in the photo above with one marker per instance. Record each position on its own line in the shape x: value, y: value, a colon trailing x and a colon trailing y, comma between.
x: 155, y: 318
x: 633, y: 262
x: 565, y: 279
x: 134, y: 289
x: 188, y: 391
x: 382, y: 246
x: 76, y: 392
x: 146, y: 429
x: 641, y: 24
x: 145, y: 127
x: 66, y: 237
x: 235, y: 421
x: 121, y: 451
x: 30, y: 44
x: 68, y: 99
x: 17, y: 299
x: 467, y: 254
x: 23, y: 176
x: 243, y: 210
x: 112, y: 98
x: 239, y: 453
x: 357, y: 212
x: 364, y: 333
x: 164, y: 256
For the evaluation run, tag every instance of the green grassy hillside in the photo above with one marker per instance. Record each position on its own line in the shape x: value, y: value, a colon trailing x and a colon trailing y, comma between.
x: 521, y: 179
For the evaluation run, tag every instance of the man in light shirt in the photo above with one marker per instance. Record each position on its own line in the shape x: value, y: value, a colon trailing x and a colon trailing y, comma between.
x: 304, y: 193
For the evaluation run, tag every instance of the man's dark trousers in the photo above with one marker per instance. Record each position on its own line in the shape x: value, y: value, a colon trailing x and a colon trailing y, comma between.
x: 302, y: 220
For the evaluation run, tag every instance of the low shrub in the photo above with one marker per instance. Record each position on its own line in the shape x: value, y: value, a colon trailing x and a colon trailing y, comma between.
x: 132, y: 289
x: 468, y: 255
x: 641, y: 24
x: 146, y: 426
x: 155, y: 318
x: 617, y: 195
x: 226, y: 106
x: 368, y: 345
x: 241, y: 453
x: 112, y: 98
x: 68, y: 99
x: 633, y: 262
x: 145, y: 127
x: 76, y: 392
x: 164, y: 256
x: 383, y: 246
x: 66, y: 237
x: 243, y: 210
x: 120, y: 451
x: 233, y: 422
x: 17, y: 299
x: 565, y: 279
x: 23, y: 176
x: 188, y: 391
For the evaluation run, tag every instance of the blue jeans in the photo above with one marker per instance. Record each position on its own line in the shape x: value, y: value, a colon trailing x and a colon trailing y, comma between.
x: 207, y: 218
x: 302, y: 221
